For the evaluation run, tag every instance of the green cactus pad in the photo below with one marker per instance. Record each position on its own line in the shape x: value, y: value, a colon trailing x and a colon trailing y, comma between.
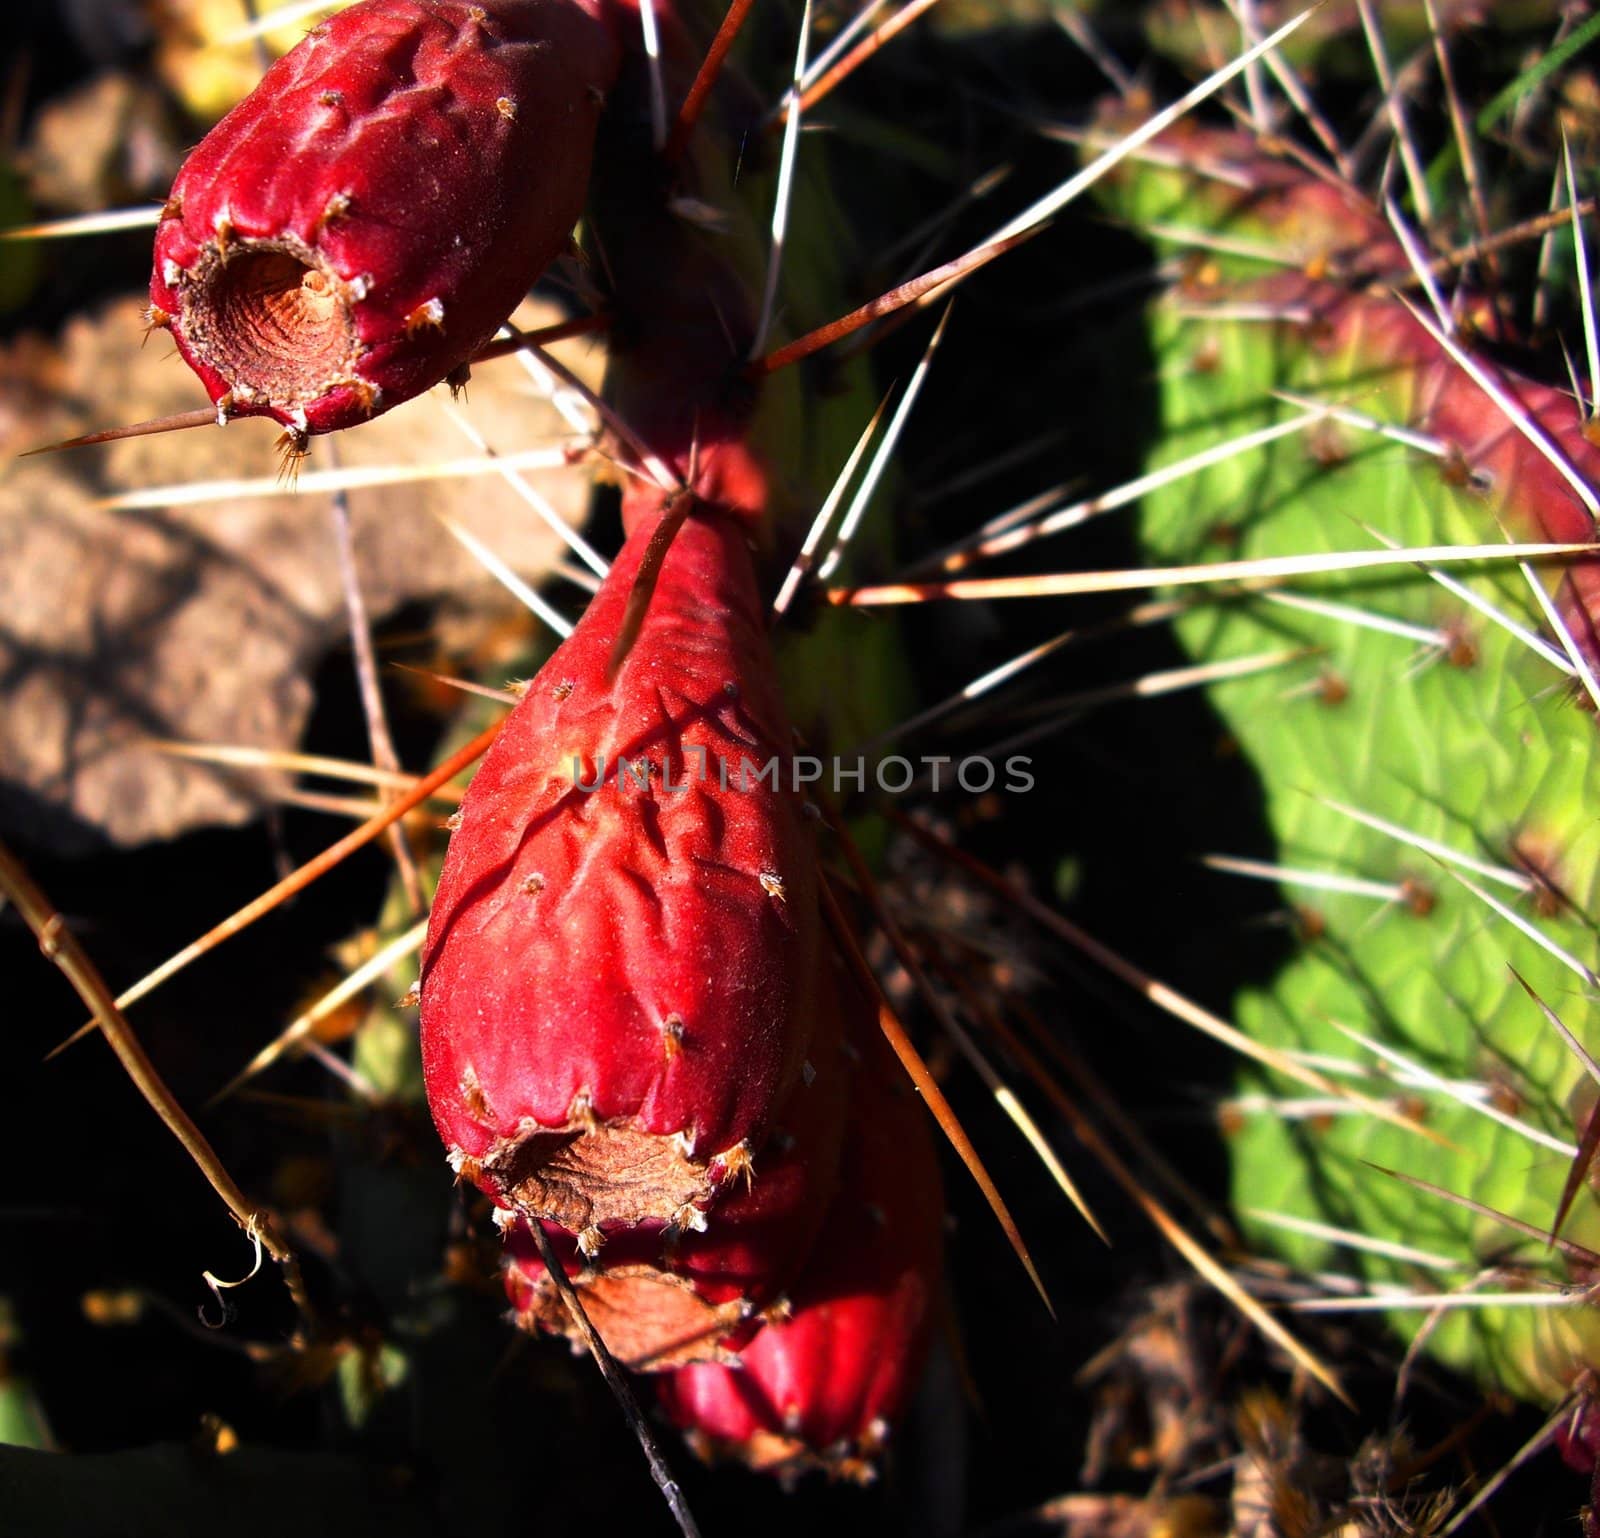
x: 1474, y: 742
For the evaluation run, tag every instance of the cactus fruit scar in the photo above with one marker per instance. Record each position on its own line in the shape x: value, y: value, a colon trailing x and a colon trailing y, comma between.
x: 821, y: 1386
x: 664, y: 1295
x: 614, y: 1003
x: 360, y: 224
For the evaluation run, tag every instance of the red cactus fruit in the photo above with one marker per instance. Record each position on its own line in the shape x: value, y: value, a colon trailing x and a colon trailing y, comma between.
x: 357, y: 227
x: 661, y: 1297
x: 618, y: 982
x: 822, y: 1387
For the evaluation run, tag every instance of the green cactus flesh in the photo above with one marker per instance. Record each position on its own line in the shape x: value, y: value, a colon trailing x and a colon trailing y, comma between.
x: 1478, y: 746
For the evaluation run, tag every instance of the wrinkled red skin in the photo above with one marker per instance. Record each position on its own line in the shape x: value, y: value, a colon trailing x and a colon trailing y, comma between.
x: 453, y: 198
x: 824, y: 1388
x: 756, y: 1236
x: 760, y: 1229
x: 633, y: 947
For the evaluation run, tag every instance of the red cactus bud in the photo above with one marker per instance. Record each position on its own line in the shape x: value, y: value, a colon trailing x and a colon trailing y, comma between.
x: 661, y: 1297
x: 357, y: 227
x: 618, y: 981
x: 822, y: 1388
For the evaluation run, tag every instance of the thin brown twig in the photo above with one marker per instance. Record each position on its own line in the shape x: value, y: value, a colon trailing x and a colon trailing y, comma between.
x: 626, y: 1402
x: 60, y: 946
x: 379, y: 738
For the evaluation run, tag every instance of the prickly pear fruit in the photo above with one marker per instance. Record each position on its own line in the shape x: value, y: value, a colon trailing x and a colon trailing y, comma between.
x: 1427, y: 744
x: 618, y: 986
x: 355, y: 229
x: 822, y: 1386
